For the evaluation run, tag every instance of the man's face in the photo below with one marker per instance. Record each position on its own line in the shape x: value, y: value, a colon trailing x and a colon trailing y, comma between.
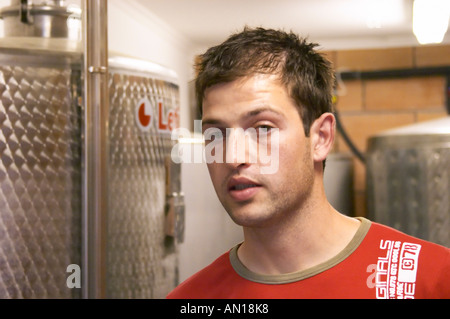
x: 251, y: 197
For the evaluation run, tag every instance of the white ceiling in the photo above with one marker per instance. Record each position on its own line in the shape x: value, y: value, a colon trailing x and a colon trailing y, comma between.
x: 206, y: 22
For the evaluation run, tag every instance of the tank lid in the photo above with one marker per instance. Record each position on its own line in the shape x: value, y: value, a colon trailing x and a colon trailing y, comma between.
x: 438, y: 126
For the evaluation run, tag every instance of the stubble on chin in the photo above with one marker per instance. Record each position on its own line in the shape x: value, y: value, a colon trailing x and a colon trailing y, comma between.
x: 272, y: 208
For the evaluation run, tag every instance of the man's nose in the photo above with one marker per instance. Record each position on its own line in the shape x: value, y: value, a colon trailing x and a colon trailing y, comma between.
x: 239, y: 147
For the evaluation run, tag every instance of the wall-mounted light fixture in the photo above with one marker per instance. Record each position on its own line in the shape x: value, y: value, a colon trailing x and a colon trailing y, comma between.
x: 430, y: 20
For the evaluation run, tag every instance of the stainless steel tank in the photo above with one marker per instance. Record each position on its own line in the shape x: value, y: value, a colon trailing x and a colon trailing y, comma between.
x: 42, y: 18
x: 144, y: 184
x: 42, y: 175
x: 408, y: 180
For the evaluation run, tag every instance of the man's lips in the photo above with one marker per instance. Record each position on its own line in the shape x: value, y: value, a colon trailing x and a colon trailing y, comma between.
x: 239, y: 183
x: 242, y: 188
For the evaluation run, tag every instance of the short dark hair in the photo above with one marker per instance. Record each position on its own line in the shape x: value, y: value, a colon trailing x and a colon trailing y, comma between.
x: 307, y: 74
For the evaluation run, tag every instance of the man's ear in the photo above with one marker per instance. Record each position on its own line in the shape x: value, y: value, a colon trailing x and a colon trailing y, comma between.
x: 322, y: 135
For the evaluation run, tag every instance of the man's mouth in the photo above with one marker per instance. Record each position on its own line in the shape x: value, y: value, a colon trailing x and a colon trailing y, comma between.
x: 242, y: 188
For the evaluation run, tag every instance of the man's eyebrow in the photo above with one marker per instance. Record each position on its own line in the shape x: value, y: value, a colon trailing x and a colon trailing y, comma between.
x: 211, y: 122
x: 249, y: 114
x: 260, y: 110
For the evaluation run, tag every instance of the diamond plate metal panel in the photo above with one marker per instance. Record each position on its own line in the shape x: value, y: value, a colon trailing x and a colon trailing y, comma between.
x: 408, y: 182
x: 40, y: 180
x: 438, y: 188
x: 141, y: 263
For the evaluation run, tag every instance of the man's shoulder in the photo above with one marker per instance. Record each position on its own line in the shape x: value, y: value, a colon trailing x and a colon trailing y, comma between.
x: 202, y: 283
x: 417, y: 264
x: 382, y: 233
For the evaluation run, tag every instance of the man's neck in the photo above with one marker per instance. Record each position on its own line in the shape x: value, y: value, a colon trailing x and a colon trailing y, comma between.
x: 302, y: 241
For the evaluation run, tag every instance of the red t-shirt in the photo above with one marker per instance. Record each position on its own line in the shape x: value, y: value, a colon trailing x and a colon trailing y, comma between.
x: 379, y: 262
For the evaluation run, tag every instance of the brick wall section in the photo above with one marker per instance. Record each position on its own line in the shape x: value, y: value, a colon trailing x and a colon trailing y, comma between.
x: 367, y: 107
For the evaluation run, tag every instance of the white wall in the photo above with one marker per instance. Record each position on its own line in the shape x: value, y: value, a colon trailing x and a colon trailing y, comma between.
x: 135, y: 31
x: 209, y: 230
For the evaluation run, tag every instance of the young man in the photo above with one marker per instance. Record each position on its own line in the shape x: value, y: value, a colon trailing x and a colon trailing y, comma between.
x: 296, y: 245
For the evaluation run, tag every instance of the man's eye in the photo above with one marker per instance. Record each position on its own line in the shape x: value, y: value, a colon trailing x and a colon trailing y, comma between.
x: 264, y: 129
